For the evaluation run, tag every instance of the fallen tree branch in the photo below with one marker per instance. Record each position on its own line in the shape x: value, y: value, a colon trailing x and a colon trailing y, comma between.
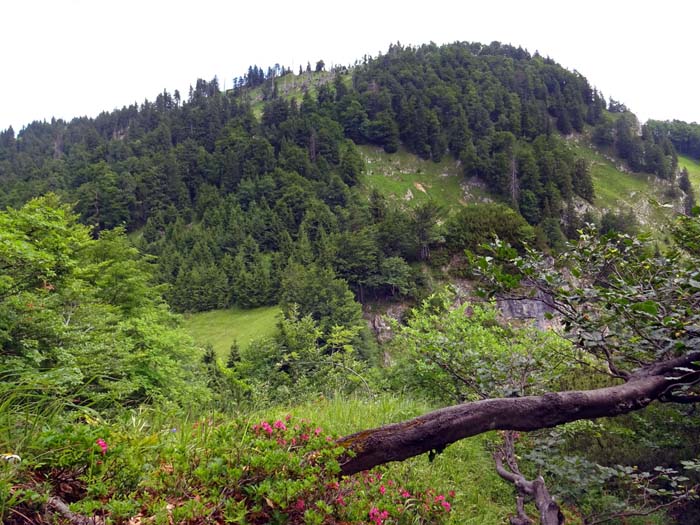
x: 436, y: 430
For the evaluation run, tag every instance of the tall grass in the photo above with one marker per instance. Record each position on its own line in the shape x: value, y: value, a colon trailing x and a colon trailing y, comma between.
x: 28, y: 404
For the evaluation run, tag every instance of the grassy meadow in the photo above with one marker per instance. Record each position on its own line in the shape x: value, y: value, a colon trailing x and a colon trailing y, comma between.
x: 221, y: 327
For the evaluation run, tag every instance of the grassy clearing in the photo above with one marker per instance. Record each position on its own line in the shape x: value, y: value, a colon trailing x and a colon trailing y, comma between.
x: 221, y: 327
x: 616, y: 189
x: 693, y: 167
x: 405, y: 177
x: 613, y: 187
x: 481, y: 497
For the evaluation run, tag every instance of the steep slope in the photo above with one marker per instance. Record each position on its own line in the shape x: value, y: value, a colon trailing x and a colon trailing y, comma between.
x: 404, y: 177
x: 693, y: 167
x: 617, y: 189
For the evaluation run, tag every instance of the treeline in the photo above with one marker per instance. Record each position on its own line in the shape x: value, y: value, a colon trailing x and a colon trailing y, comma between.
x: 648, y: 151
x: 232, y: 202
x: 685, y: 137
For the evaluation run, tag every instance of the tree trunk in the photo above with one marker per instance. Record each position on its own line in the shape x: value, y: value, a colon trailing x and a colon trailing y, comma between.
x: 436, y: 430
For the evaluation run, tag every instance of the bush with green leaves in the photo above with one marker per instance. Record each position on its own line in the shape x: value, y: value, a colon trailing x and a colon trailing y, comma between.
x: 303, y: 361
x: 81, y: 324
x: 468, y: 352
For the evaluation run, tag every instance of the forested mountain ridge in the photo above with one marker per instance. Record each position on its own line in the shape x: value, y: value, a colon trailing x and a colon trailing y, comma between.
x: 227, y: 194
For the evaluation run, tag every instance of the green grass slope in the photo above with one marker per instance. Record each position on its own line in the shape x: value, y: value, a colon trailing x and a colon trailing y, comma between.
x: 617, y: 189
x: 405, y: 177
x: 221, y: 327
x: 693, y: 167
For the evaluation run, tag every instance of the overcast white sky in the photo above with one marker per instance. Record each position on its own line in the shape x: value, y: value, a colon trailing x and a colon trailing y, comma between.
x: 67, y: 58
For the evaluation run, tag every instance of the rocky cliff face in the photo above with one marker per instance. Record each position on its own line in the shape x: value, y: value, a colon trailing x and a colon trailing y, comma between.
x: 533, y: 310
x: 380, y: 322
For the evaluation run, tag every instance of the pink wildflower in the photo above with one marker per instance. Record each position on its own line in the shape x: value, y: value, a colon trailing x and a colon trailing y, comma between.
x: 279, y: 425
x: 340, y: 501
x: 103, y: 445
x: 299, y: 505
x: 405, y: 493
x: 318, y: 430
x: 382, y: 490
x: 446, y: 506
x: 376, y: 516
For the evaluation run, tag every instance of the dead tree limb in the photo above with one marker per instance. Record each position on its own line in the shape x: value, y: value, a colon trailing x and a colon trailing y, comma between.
x: 436, y: 430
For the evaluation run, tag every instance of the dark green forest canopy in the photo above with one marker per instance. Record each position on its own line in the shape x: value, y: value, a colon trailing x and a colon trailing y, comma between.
x: 226, y: 195
x: 685, y: 137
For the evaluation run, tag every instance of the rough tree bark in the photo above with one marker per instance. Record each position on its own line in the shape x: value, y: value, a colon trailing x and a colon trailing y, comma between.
x: 436, y: 430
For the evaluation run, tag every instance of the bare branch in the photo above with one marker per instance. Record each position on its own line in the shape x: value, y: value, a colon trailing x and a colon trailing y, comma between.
x: 629, y: 514
x: 550, y: 514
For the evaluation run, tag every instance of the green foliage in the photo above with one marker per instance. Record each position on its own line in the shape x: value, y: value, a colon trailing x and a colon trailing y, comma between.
x: 684, y: 136
x: 686, y: 232
x: 477, y: 224
x: 81, y: 316
x: 623, y: 305
x: 620, y: 301
x: 466, y: 353
x: 222, y: 186
x: 318, y: 293
x: 303, y: 361
x: 623, y: 222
